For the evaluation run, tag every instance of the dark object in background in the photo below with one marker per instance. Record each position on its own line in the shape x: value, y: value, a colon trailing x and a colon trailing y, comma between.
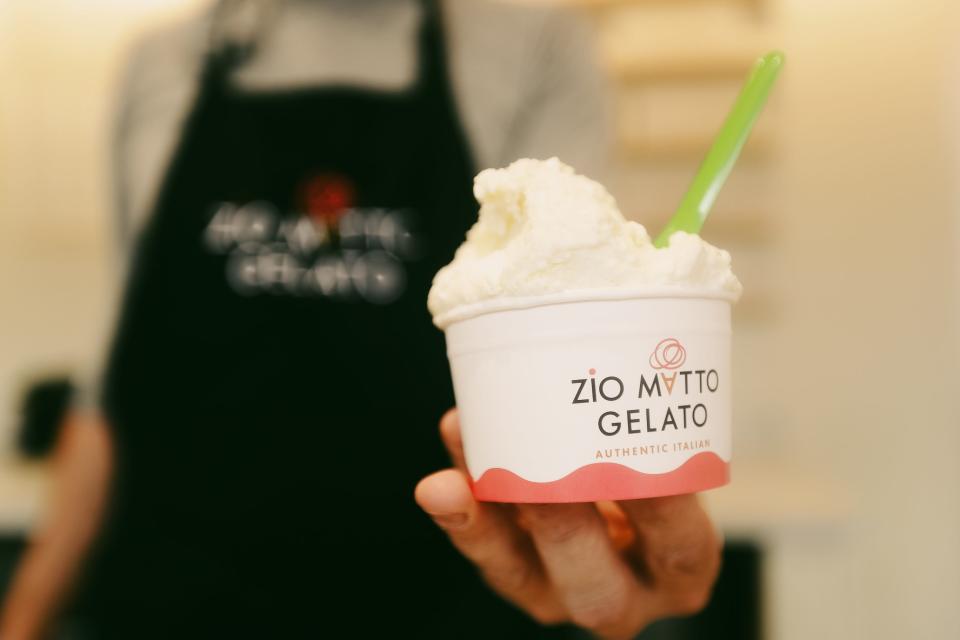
x: 44, y: 406
x: 11, y: 550
x: 734, y: 612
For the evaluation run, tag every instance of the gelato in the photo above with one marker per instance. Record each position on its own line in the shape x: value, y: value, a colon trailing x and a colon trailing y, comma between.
x: 544, y: 229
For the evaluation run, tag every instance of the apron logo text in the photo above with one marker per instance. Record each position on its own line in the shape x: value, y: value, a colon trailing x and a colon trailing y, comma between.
x: 359, y: 255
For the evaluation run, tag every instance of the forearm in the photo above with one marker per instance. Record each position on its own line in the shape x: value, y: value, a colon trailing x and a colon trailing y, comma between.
x: 81, y: 476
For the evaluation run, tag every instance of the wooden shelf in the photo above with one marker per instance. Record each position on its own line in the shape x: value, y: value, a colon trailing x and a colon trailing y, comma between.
x: 760, y: 149
x: 769, y: 499
x: 742, y: 228
x: 603, y: 4
x: 671, y: 70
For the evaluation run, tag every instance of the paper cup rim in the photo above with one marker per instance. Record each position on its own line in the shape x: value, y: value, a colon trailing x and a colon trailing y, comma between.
x: 493, y: 305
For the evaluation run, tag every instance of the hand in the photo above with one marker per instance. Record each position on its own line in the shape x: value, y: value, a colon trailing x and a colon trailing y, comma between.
x: 612, y: 568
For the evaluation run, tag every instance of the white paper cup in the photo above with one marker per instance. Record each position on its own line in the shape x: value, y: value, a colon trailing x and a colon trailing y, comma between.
x: 609, y: 395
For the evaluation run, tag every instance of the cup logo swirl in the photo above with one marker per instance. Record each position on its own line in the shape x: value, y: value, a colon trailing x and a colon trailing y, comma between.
x: 669, y: 354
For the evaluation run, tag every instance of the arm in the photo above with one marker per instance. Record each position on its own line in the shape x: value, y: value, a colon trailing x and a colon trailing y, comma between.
x: 82, y: 468
x: 153, y: 96
x: 567, y: 109
x: 610, y: 568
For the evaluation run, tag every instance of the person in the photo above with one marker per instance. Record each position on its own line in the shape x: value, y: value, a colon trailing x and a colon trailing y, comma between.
x: 263, y: 432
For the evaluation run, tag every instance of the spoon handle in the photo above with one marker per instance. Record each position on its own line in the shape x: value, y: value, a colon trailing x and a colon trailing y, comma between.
x: 716, y: 167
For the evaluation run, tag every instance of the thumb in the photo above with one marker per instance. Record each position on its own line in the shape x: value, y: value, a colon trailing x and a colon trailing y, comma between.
x: 450, y: 434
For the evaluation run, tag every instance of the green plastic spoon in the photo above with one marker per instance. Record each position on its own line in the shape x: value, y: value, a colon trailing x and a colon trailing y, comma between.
x: 716, y: 167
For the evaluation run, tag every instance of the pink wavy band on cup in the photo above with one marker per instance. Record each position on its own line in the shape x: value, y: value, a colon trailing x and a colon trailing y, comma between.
x: 605, y: 481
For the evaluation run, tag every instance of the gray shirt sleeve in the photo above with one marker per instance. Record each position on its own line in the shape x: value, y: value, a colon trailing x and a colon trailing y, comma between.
x: 567, y: 110
x: 88, y: 381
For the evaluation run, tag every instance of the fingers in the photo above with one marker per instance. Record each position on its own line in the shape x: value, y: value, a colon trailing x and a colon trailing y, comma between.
x: 591, y: 579
x: 572, y: 561
x: 450, y: 434
x: 618, y: 525
x: 489, y: 538
x: 678, y: 549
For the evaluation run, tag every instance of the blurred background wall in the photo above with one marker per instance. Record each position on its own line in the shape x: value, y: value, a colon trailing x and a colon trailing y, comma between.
x: 59, y: 63
x: 59, y: 60
x: 842, y: 220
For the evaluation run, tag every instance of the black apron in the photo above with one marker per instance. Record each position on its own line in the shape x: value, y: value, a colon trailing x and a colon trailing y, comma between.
x: 275, y: 382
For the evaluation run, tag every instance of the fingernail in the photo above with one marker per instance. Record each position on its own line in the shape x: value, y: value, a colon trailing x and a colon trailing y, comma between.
x: 450, y: 520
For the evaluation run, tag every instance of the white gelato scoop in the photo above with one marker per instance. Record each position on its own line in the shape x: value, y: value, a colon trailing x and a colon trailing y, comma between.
x: 544, y: 229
